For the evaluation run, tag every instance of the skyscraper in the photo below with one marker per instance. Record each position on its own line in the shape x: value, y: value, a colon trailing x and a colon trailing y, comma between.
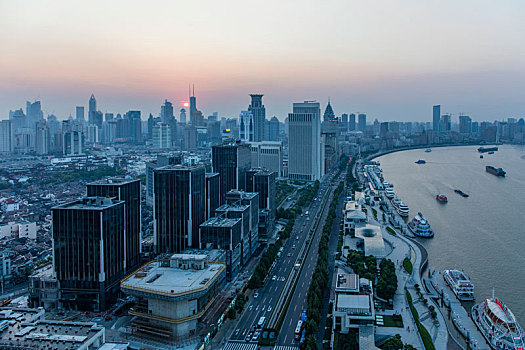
x: 88, y: 251
x: 34, y: 113
x: 436, y: 115
x: 42, y: 138
x: 182, y: 116
x: 246, y: 126
x: 328, y: 113
x: 161, y: 136
x: 351, y: 124
x: 7, y: 142
x: 127, y: 190
x: 465, y: 124
x: 273, y: 129
x: 166, y: 112
x: 179, y: 207
x: 231, y: 160
x: 92, y: 110
x: 258, y: 111
x: 304, y: 156
x: 193, y: 105
x: 80, y: 114
x: 362, y: 122
x: 344, y: 121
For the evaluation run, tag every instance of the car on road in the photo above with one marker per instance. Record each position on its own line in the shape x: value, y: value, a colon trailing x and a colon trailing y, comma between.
x: 251, y: 307
x: 255, y: 336
x: 249, y: 336
x: 289, y: 254
x: 269, y: 308
x: 293, y: 247
x: 237, y: 331
x: 256, y: 295
x: 274, y: 278
x: 297, y: 237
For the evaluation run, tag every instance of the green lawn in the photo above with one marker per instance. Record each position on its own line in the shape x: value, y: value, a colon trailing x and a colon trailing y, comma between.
x: 407, y: 264
x: 391, y: 230
x: 392, y: 321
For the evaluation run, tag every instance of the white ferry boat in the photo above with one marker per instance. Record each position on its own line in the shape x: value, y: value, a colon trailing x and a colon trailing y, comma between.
x: 389, y: 192
x: 460, y: 284
x: 402, y: 209
x: 498, y: 325
x: 420, y: 226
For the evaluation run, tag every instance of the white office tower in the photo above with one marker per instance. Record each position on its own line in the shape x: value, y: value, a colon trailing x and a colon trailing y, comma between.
x: 7, y: 142
x: 161, y: 136
x: 246, y: 126
x: 304, y: 156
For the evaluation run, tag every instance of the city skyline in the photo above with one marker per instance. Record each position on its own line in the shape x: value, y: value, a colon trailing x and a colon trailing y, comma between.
x: 369, y: 59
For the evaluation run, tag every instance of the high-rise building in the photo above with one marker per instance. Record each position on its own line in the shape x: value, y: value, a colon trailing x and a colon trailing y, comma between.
x: 251, y: 230
x: 193, y: 105
x: 80, y: 114
x: 351, y: 123
x: 73, y: 142
x: 214, y: 132
x: 445, y: 123
x: 162, y: 160
x: 304, y: 156
x: 88, y: 252
x: 273, y: 129
x: 436, y: 116
x: 179, y: 207
x: 135, y: 126
x: 190, y: 138
x: 362, y: 122
x: 127, y: 190
x: 7, y: 140
x: 213, y: 200
x: 166, y: 112
x: 92, y: 109
x: 42, y: 138
x: 34, y: 113
x: 465, y: 124
x: 231, y: 160
x: 182, y: 116
x: 329, y: 114
x: 161, y: 136
x: 344, y: 121
x: 268, y: 155
x: 258, y: 111
x: 246, y: 126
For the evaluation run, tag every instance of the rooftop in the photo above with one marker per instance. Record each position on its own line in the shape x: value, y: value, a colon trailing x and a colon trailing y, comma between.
x: 347, y: 282
x: 90, y: 203
x: 220, y: 221
x: 26, y: 329
x: 373, y: 240
x: 354, y: 303
x: 157, y: 278
x: 232, y: 207
x: 113, y: 181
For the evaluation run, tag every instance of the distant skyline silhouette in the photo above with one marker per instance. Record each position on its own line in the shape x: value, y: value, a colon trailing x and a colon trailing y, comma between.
x: 391, y: 60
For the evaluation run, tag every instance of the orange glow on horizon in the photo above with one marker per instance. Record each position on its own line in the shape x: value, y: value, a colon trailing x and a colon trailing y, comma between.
x: 186, y: 104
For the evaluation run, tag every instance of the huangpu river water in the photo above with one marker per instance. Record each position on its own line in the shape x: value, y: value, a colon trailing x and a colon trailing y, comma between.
x: 484, y: 234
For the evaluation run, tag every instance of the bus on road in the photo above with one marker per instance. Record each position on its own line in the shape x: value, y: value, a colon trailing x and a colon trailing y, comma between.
x: 261, y: 322
x: 297, y: 333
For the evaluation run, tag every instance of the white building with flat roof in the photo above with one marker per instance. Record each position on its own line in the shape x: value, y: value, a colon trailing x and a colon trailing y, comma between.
x: 305, y: 149
x: 268, y: 155
x: 173, y: 294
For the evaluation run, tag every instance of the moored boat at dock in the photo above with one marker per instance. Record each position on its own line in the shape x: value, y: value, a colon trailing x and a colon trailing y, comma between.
x: 460, y: 284
x: 420, y: 226
x: 498, y: 325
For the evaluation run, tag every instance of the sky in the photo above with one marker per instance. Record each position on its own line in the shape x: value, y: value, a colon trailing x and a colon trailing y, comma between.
x: 390, y: 59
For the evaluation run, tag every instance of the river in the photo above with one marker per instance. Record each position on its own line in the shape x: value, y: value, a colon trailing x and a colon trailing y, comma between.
x: 483, y: 234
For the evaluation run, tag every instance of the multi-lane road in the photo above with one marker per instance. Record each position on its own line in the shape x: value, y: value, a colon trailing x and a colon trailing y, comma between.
x: 264, y: 300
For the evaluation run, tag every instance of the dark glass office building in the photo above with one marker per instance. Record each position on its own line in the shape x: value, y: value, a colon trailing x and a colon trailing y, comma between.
x: 127, y: 190
x: 251, y: 199
x: 179, y: 207
x: 231, y: 160
x: 224, y: 233
x: 89, y: 253
x: 212, y: 194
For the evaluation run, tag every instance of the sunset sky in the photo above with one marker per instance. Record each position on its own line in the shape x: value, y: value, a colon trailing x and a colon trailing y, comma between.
x: 390, y: 59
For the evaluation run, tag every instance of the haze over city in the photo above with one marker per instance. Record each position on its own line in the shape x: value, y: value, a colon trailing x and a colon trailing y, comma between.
x: 391, y: 60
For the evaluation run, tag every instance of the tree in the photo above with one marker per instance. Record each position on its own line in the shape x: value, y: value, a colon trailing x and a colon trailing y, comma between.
x: 231, y: 314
